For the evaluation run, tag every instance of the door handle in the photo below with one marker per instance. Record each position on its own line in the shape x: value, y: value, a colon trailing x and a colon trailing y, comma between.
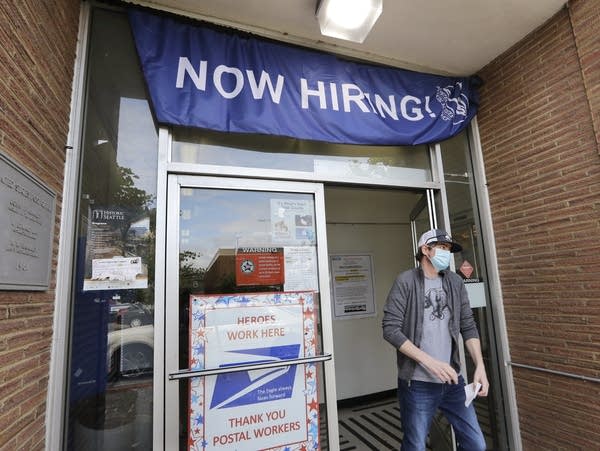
x: 187, y: 374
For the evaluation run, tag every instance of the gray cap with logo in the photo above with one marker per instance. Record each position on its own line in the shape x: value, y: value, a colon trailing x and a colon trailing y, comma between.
x: 439, y: 236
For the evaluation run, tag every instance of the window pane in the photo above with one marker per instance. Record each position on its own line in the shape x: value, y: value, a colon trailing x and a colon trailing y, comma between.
x: 324, y: 160
x: 111, y: 362
x: 462, y: 206
x: 464, y: 222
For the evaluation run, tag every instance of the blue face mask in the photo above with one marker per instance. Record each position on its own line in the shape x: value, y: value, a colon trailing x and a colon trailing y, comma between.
x: 441, y: 259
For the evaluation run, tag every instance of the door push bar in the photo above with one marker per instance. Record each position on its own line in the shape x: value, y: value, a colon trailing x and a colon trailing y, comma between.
x: 187, y: 374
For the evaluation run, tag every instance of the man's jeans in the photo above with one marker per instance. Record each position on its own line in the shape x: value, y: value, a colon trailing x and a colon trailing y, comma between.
x: 418, y: 404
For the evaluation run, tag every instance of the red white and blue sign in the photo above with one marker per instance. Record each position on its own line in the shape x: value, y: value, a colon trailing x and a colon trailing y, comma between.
x: 272, y: 408
x: 201, y: 76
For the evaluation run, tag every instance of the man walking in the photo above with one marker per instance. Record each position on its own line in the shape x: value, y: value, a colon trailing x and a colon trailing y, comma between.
x: 426, y: 310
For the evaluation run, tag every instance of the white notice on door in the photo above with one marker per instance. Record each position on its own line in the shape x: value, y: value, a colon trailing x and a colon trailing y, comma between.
x: 300, y: 268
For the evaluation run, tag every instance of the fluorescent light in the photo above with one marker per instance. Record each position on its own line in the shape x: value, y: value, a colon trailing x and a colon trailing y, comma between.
x: 351, y: 20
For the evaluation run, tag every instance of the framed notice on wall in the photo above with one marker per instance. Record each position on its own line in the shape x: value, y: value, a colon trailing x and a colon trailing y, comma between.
x: 26, y: 228
x: 272, y: 408
x: 353, y: 285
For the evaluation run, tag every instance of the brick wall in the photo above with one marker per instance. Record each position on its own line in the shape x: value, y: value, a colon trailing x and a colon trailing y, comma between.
x: 539, y: 130
x: 37, y: 50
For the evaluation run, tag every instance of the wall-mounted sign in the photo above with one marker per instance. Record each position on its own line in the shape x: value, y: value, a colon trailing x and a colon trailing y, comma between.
x: 353, y: 286
x: 273, y: 408
x: 26, y: 229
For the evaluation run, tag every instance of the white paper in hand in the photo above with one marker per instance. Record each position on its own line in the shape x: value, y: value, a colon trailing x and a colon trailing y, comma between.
x: 471, y: 391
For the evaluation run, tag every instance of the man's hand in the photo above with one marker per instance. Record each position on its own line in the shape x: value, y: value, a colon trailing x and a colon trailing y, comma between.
x: 474, y: 347
x: 443, y: 371
x: 440, y: 370
x: 480, y: 377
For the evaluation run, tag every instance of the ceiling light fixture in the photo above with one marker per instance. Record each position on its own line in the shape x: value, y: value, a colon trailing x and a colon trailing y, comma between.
x: 351, y: 20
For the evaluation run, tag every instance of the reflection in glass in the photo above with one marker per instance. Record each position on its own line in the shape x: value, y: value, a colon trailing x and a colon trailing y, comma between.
x: 111, y: 361
x: 462, y: 206
x: 324, y: 160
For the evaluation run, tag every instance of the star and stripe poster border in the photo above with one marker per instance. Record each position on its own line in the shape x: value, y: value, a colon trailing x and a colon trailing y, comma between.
x: 283, y: 401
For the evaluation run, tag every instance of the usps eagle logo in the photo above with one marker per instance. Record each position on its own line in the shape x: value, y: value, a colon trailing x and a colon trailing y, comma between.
x: 455, y: 104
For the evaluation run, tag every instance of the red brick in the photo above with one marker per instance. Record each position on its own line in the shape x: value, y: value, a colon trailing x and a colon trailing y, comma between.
x: 542, y: 164
x: 37, y: 51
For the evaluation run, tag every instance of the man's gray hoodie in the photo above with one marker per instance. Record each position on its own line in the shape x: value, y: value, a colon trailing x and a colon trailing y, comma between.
x: 404, y: 310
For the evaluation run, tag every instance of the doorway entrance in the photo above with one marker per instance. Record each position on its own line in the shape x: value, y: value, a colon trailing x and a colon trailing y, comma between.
x: 374, y: 232
x: 379, y: 223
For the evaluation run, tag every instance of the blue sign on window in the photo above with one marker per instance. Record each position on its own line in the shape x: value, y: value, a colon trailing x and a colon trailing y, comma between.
x: 202, y: 77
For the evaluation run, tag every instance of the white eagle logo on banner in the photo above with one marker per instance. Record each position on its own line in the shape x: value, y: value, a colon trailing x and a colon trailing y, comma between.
x: 453, y: 106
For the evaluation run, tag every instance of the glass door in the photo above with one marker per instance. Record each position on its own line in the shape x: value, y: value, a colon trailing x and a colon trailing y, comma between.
x: 248, y: 347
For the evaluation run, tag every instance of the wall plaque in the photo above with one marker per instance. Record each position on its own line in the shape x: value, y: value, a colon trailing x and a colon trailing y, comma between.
x: 26, y: 229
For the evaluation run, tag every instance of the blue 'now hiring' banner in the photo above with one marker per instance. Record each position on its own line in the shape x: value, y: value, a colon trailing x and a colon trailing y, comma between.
x: 201, y: 77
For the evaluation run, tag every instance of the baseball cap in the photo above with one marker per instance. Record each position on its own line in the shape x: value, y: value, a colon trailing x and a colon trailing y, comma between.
x: 439, y: 236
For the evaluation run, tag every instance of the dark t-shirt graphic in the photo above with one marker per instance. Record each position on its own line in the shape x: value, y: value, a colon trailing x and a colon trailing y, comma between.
x: 436, y: 301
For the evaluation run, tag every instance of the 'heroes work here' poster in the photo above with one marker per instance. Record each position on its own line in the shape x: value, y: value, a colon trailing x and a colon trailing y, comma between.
x: 272, y: 408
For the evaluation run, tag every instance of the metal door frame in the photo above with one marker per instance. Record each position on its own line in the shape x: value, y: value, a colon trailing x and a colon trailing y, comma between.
x: 167, y: 436
x: 426, y: 202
